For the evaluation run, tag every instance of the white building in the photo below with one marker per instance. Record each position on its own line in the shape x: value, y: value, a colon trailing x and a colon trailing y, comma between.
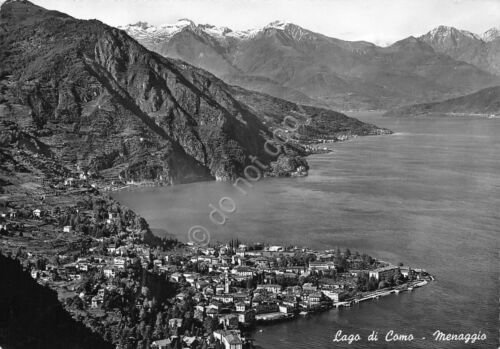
x: 120, y: 262
x: 231, y: 339
x: 109, y: 272
x: 382, y: 274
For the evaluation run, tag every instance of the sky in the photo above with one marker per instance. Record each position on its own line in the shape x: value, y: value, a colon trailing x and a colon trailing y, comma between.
x: 378, y: 21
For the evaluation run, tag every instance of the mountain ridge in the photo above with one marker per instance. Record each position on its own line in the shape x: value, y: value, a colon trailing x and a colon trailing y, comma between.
x: 484, y: 102
x: 491, y: 34
x: 93, y: 96
x: 482, y: 51
x: 290, y: 62
x: 488, y: 35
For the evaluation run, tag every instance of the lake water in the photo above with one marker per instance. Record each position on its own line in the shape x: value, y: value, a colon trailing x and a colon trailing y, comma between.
x: 427, y: 196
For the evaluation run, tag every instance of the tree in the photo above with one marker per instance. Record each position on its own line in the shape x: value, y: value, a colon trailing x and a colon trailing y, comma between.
x: 363, y: 281
x: 341, y: 263
x: 210, y: 324
x: 347, y: 253
x: 372, y: 284
x: 159, y: 326
x: 398, y: 278
x: 41, y: 263
x: 250, y: 283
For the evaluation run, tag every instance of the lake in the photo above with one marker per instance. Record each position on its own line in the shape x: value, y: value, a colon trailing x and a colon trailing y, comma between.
x: 427, y: 196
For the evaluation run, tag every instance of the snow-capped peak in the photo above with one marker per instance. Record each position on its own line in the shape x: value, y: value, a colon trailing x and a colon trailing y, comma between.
x: 183, y: 22
x: 213, y: 30
x: 145, y: 31
x: 165, y: 30
x: 278, y: 24
x: 444, y: 32
x: 171, y: 29
x: 293, y: 30
x: 491, y: 34
x: 136, y: 26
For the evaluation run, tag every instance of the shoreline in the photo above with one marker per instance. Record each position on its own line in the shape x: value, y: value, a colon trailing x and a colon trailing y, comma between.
x: 303, y: 298
x: 312, y: 148
x: 375, y: 295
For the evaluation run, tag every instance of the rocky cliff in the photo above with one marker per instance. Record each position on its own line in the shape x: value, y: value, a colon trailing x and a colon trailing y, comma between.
x: 95, y: 97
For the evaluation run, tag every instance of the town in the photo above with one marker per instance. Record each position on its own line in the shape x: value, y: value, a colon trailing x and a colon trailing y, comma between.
x: 141, y: 291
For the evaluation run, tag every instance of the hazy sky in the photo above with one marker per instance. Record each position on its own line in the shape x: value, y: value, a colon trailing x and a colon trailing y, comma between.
x: 378, y: 21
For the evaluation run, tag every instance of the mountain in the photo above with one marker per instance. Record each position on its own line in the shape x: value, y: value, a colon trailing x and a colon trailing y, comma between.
x: 485, y: 101
x: 481, y: 51
x: 290, y: 62
x: 324, y: 122
x: 491, y: 34
x: 87, y: 94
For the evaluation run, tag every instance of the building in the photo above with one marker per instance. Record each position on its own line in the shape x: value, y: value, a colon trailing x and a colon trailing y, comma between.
x: 229, y: 321
x: 231, y: 339
x: 266, y: 307
x: 96, y: 301
x: 176, y: 277
x: 314, y: 299
x: 161, y: 344
x: 175, y: 323
x: 298, y: 270
x: 211, y: 260
x: 261, y: 262
x: 190, y: 342
x: 246, y: 317
x: 245, y: 272
x: 334, y: 295
x: 407, y: 272
x: 111, y: 248
x: 273, y: 288
x: 321, y: 266
x: 12, y: 213
x: 120, y: 263
x: 224, y: 298
x: 109, y: 272
x: 286, y: 309
x: 240, y: 307
x: 309, y: 288
x: 383, y: 274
